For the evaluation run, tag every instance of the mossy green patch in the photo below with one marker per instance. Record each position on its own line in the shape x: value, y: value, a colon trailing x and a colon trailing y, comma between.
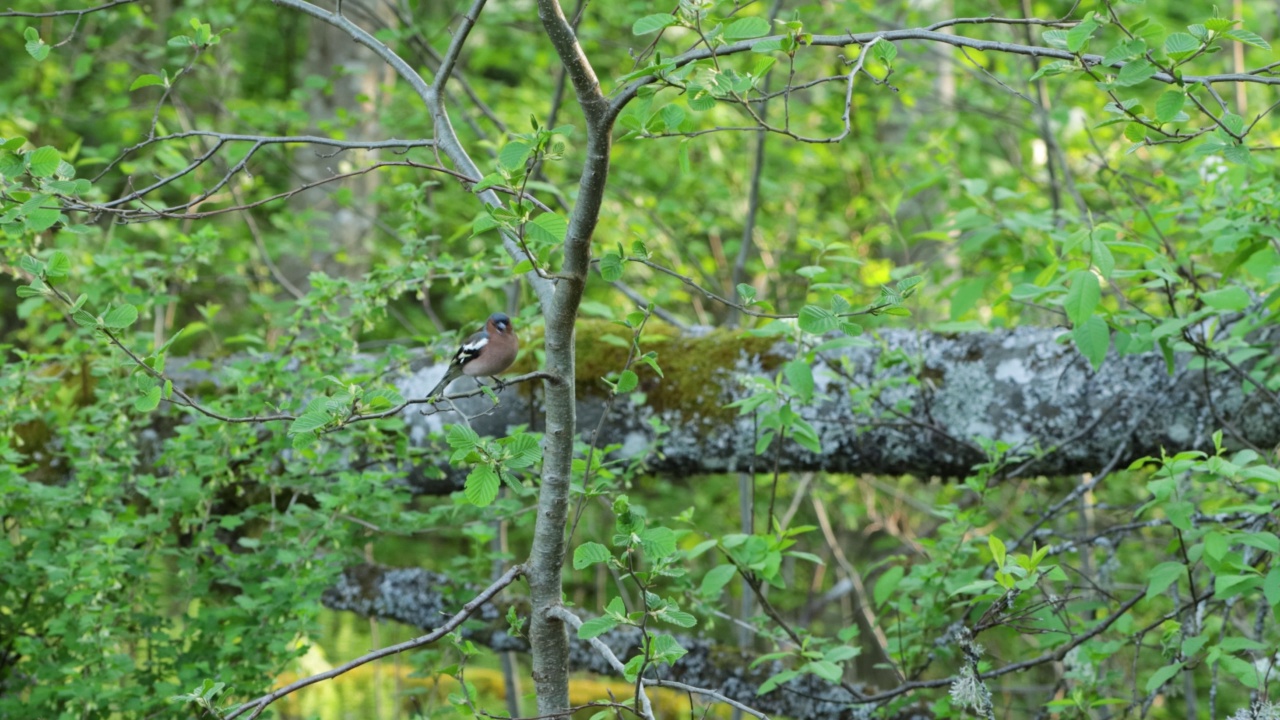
x: 694, y: 368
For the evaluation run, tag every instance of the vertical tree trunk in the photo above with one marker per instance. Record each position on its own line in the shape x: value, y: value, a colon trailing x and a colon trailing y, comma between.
x: 547, y: 635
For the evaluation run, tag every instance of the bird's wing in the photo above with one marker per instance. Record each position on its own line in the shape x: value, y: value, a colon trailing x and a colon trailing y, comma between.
x: 471, y: 347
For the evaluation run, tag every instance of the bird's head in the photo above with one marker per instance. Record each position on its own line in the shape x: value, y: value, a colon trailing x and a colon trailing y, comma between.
x: 500, y: 322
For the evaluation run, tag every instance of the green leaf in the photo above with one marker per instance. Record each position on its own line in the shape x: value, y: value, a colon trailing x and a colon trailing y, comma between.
x: 596, y: 627
x: 632, y: 669
x: 1242, y: 670
x: 800, y: 378
x: 1092, y: 338
x: 486, y: 182
x: 148, y: 402
x: 1102, y: 257
x: 828, y: 671
x: 886, y: 584
x: 1233, y: 122
x: 885, y: 51
x: 146, y: 81
x: 1180, y: 45
x: 513, y: 155
x: 43, y: 162
x: 1162, y: 676
x: 1124, y: 50
x: 589, y: 554
x: 747, y: 27
x: 1228, y: 298
x: 482, y: 485
x: 667, y: 649
x: 1248, y: 38
x: 39, y: 219
x: 1271, y: 586
x: 998, y: 552
x: 653, y: 23
x: 673, y: 117
x: 1135, y: 72
x: 308, y: 421
x: 463, y: 438
x: 770, y: 45
x: 627, y: 382
x: 1082, y: 297
x: 1078, y: 37
x: 1160, y: 577
x: 1169, y: 105
x: 817, y: 320
x: 59, y: 265
x: 677, y: 617
x: 524, y: 451
x: 36, y: 47
x: 84, y: 319
x: 35, y: 289
x: 658, y: 542
x: 776, y: 680
x: 714, y: 581
x: 484, y: 222
x: 121, y: 317
x: 547, y: 228
x: 1057, y: 67
x: 611, y: 266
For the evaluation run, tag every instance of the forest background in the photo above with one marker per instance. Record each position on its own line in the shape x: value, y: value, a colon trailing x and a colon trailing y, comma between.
x: 879, y: 359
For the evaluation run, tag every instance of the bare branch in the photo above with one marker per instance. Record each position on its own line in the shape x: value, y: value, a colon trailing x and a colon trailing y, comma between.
x: 626, y: 93
x: 485, y: 596
x: 65, y: 13
x: 560, y: 613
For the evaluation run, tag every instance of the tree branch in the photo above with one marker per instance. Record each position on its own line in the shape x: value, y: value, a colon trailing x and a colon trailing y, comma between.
x: 461, y: 616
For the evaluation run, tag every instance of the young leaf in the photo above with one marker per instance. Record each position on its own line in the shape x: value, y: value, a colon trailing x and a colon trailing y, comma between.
x: 1169, y: 105
x: 121, y: 317
x: 1092, y: 338
x: 817, y: 320
x: 482, y: 485
x: 43, y: 162
x: 145, y: 81
x: 611, y: 266
x: 597, y: 626
x: 1135, y: 72
x: 747, y: 27
x: 589, y: 554
x: 1083, y: 296
x: 1248, y: 38
x: 59, y: 265
x: 653, y: 23
x: 627, y: 382
x: 308, y: 421
x: 715, y: 580
x: 887, y: 584
x: 148, y: 402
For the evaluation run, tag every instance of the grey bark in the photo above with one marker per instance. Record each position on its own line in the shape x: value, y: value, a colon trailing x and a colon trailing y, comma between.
x: 1019, y: 387
x: 425, y: 599
x: 547, y: 554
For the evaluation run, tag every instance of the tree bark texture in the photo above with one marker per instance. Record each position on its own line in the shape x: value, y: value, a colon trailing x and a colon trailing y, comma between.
x: 424, y: 599
x: 929, y: 413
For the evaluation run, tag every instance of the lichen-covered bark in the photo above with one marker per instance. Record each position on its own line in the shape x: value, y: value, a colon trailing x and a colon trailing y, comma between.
x: 424, y: 599
x: 952, y: 392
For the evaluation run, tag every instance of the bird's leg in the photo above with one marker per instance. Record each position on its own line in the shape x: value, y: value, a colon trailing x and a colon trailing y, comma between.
x: 498, y: 384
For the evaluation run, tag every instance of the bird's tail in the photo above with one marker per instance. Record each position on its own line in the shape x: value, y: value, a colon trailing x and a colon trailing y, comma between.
x: 453, y: 373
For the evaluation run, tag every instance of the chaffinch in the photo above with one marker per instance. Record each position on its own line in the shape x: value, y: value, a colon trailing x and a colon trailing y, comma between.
x: 484, y: 354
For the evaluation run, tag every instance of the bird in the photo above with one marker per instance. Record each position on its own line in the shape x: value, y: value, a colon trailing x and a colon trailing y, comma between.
x: 484, y: 354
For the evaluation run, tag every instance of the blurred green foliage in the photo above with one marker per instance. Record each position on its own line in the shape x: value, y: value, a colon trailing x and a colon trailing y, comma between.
x: 146, y: 558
